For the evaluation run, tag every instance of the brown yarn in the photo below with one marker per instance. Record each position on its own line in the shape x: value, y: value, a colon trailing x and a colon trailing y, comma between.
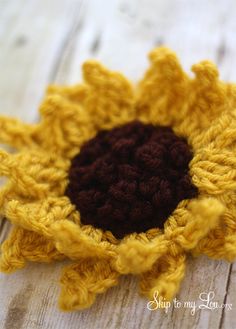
x: 131, y: 178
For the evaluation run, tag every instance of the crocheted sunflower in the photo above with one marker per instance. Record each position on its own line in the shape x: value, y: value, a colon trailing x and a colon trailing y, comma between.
x: 123, y: 180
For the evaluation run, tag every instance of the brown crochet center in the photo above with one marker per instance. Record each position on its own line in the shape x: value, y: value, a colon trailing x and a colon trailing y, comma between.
x: 131, y: 178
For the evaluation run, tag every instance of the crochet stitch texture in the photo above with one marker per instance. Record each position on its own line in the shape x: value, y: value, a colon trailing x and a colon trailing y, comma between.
x: 47, y: 226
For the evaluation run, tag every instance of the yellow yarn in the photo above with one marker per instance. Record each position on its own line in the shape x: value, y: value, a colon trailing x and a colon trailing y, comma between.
x: 47, y: 227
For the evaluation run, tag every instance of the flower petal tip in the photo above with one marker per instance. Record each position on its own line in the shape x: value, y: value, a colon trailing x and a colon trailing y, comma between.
x: 162, y: 53
x: 205, y: 71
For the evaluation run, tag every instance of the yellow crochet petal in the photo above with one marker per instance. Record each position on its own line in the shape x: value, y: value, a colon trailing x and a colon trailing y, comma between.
x: 162, y: 282
x: 206, y: 99
x: 136, y: 256
x: 213, y: 168
x: 22, y: 246
x: 15, y: 133
x: 217, y: 247
x: 64, y: 126
x: 214, y: 172
x: 81, y: 283
x: 4, y: 192
x: 229, y: 250
x: 110, y: 100
x: 231, y: 94
x: 220, y: 134
x: 34, y: 174
x: 76, y: 93
x: 38, y: 216
x: 70, y: 240
x: 21, y: 179
x: 187, y: 226
x: 161, y: 94
x: 220, y: 243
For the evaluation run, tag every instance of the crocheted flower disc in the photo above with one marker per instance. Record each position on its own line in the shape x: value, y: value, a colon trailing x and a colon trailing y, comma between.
x: 130, y: 179
x: 122, y: 179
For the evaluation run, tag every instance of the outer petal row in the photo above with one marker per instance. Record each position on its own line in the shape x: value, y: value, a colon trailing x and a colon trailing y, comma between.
x: 22, y: 246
